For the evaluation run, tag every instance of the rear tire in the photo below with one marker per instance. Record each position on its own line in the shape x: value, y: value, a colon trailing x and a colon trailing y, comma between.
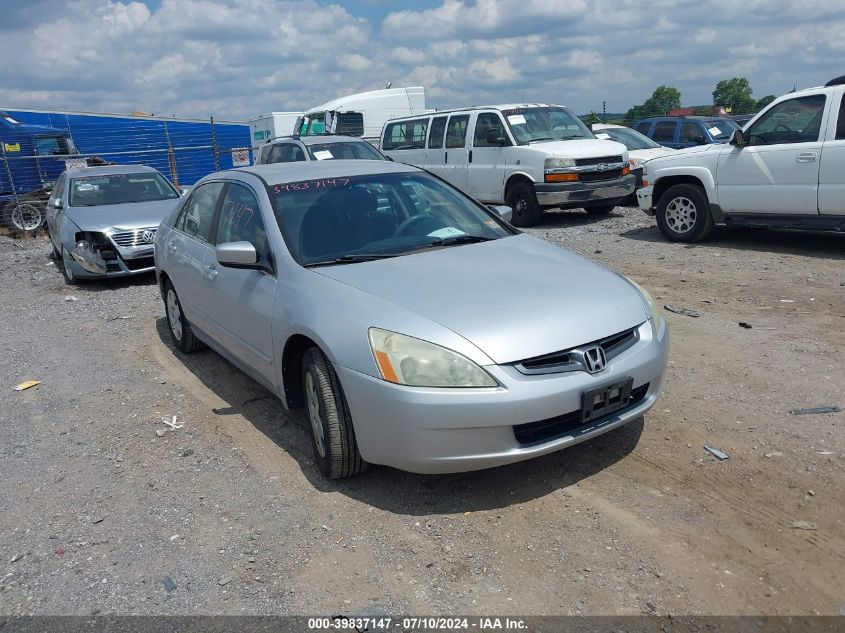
x: 523, y: 200
x: 683, y: 214
x: 605, y: 209
x: 332, y: 431
x: 180, y: 328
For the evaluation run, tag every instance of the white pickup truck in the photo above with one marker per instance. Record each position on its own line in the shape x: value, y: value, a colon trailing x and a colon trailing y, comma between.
x: 784, y: 169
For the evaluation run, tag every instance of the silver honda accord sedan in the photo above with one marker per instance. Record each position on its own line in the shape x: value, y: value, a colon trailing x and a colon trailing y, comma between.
x: 102, y: 220
x: 416, y: 327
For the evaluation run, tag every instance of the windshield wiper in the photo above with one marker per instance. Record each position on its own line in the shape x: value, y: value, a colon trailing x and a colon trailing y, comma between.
x: 351, y: 259
x: 460, y: 239
x: 544, y: 138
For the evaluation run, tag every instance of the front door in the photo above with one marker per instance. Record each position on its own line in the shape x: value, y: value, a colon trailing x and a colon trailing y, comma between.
x: 488, y: 158
x: 241, y: 300
x: 456, y: 156
x: 778, y: 170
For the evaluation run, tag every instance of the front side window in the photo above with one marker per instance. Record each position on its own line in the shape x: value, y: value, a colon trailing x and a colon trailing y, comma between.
x: 375, y: 216
x: 197, y: 215
x: 793, y: 121
x: 94, y: 191
x: 435, y: 136
x: 489, y: 124
x: 456, y: 131
x: 344, y: 150
x: 405, y: 135
x: 664, y: 132
x: 241, y: 221
x: 49, y: 146
x: 545, y: 124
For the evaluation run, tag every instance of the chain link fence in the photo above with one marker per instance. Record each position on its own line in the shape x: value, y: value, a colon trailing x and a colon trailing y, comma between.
x: 35, y: 156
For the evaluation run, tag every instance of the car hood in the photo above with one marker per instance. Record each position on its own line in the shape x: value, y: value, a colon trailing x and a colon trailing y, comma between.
x: 513, y: 298
x: 579, y: 148
x: 129, y: 216
x: 643, y: 155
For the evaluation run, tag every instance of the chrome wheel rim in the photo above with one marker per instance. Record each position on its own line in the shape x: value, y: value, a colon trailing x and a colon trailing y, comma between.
x: 174, y: 315
x: 66, y: 265
x: 26, y: 217
x: 681, y: 214
x: 314, y: 414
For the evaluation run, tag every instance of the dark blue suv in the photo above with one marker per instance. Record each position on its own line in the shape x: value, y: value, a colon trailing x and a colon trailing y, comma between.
x: 686, y: 131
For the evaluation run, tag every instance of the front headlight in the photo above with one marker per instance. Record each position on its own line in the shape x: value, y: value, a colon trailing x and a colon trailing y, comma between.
x: 410, y: 361
x: 559, y: 163
x: 653, y: 309
x: 634, y: 163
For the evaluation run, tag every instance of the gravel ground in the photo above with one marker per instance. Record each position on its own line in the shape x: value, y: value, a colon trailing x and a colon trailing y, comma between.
x: 105, y: 509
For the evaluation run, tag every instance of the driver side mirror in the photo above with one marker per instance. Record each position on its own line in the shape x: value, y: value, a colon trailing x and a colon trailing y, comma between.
x: 184, y: 191
x: 738, y: 138
x: 504, y: 211
x: 495, y: 137
x: 237, y: 255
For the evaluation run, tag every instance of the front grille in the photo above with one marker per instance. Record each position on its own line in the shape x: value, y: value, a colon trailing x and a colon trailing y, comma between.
x: 139, y: 262
x: 132, y: 238
x: 569, y: 360
x: 553, y: 428
x: 597, y: 176
x: 583, y: 162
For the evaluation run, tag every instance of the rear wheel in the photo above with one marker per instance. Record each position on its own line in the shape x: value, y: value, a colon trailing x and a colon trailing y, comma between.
x: 332, y: 432
x: 605, y: 209
x: 683, y: 214
x: 523, y: 200
x: 180, y: 329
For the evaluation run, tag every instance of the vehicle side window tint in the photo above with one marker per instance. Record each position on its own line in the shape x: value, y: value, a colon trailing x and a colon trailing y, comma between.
x: 405, y: 135
x: 265, y: 154
x: 664, y: 131
x: 197, y: 216
x: 435, y: 136
x: 456, y: 131
x: 296, y: 153
x: 793, y: 121
x: 691, y: 132
x: 59, y: 187
x: 840, y: 125
x: 241, y: 221
x: 643, y: 127
x: 283, y: 153
x: 487, y: 122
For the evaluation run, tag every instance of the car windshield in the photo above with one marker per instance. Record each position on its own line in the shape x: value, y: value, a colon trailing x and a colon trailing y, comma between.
x: 94, y: 191
x: 631, y: 139
x: 358, y: 218
x: 343, y: 150
x: 721, y: 129
x: 545, y: 124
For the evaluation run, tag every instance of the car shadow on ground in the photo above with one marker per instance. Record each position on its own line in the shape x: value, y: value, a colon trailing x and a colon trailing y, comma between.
x: 784, y: 242
x: 558, y: 218
x: 393, y: 490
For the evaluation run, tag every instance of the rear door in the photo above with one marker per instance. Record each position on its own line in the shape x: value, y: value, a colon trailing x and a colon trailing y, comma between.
x: 488, y: 161
x: 664, y: 132
x: 240, y: 301
x: 456, y: 154
x: 778, y: 170
x: 186, y: 248
x: 435, y: 151
x: 832, y: 166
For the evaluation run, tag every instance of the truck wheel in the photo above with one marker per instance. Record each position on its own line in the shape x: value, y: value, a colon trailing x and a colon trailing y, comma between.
x: 526, y: 210
x: 332, y: 433
x: 180, y: 329
x: 602, y: 210
x: 683, y: 214
x: 23, y: 217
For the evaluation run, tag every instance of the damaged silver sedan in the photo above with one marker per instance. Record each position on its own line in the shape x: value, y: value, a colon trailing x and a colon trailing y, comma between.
x: 102, y: 220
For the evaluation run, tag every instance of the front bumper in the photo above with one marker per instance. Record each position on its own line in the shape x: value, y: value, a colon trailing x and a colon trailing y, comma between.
x: 578, y: 194
x: 454, y: 430
x: 86, y: 267
x: 644, y: 200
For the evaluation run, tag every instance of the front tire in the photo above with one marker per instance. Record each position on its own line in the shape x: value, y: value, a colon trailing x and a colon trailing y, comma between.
x: 605, y: 209
x: 523, y: 200
x: 683, y: 214
x: 180, y: 328
x: 332, y: 432
x: 64, y: 265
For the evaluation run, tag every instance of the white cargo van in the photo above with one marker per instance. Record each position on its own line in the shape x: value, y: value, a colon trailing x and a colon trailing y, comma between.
x: 528, y: 156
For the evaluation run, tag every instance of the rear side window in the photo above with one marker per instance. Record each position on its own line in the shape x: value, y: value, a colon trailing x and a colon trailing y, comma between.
x: 643, y: 127
x: 488, y: 122
x: 197, y: 216
x: 840, y: 125
x: 286, y: 153
x: 405, y: 135
x: 456, y: 131
x: 691, y: 132
x: 664, y: 132
x: 435, y: 136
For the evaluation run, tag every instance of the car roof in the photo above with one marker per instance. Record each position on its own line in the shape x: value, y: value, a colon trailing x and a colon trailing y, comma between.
x: 693, y: 117
x: 277, y: 173
x: 108, y: 170
x: 500, y: 107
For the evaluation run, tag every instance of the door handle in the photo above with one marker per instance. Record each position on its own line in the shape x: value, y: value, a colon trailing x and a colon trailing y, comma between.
x: 807, y: 157
x: 470, y: 155
x: 446, y: 159
x: 211, y: 272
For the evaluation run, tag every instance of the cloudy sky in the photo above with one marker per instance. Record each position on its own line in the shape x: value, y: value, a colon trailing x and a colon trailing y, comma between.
x: 237, y: 58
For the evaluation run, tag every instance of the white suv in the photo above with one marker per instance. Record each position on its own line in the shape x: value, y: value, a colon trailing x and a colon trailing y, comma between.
x: 528, y: 156
x: 785, y: 169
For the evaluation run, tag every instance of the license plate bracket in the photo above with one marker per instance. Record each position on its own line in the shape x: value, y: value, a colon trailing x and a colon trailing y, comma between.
x: 602, y: 401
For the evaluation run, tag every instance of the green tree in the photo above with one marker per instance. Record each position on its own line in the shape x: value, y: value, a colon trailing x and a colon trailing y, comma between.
x: 592, y: 118
x: 663, y: 99
x: 735, y: 94
x: 762, y: 103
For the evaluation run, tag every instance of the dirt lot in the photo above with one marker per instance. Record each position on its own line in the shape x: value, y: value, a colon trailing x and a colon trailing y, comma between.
x: 100, y: 514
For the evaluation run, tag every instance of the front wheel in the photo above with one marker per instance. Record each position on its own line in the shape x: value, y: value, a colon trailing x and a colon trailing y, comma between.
x: 683, y: 214
x: 523, y: 200
x: 332, y: 433
x: 605, y: 209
